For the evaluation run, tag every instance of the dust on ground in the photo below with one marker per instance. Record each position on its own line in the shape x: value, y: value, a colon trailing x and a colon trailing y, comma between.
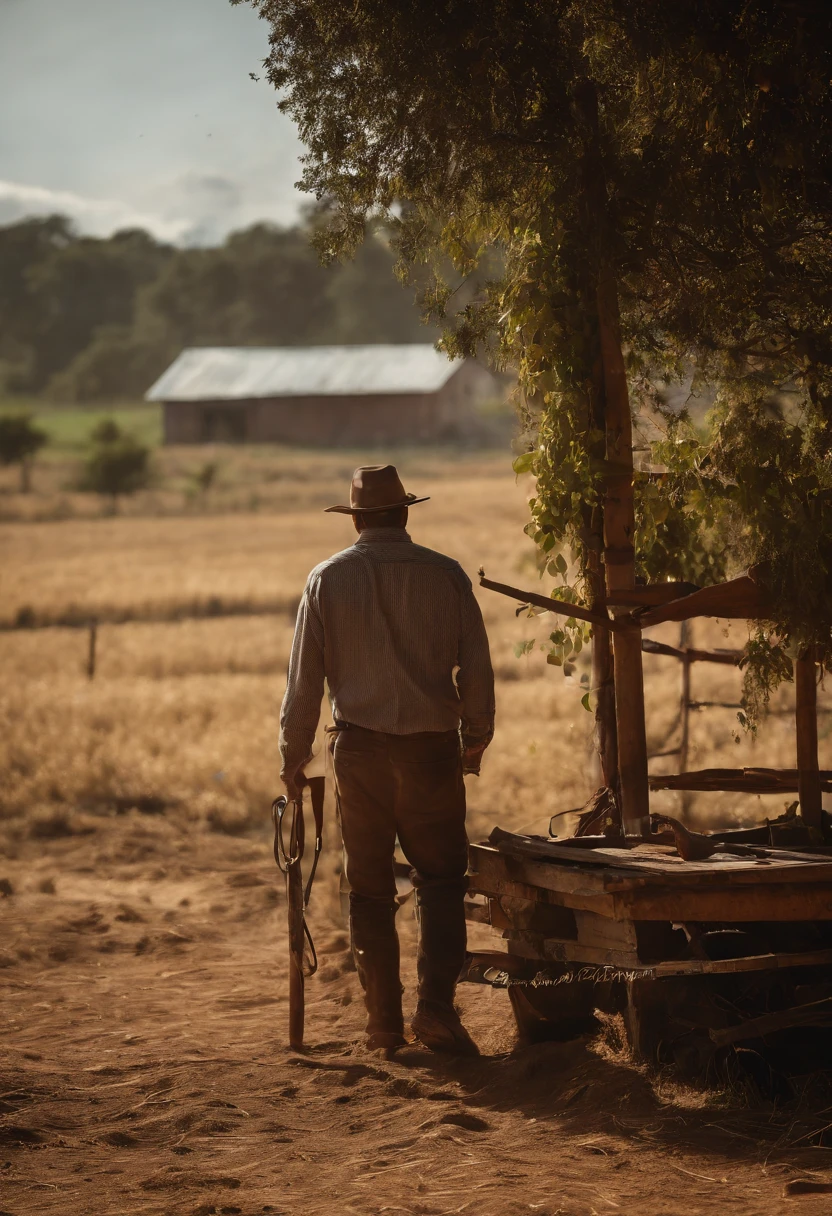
x: 145, y: 1067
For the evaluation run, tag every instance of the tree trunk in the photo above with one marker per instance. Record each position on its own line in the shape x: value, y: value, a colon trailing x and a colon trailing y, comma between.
x: 619, y: 516
x: 602, y: 678
x: 806, y: 727
x: 619, y: 560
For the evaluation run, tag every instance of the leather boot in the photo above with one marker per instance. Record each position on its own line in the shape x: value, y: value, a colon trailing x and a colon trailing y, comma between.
x: 440, y: 912
x: 375, y: 947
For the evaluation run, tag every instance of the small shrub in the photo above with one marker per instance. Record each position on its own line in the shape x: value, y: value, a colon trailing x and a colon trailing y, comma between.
x: 20, y: 440
x: 117, y: 464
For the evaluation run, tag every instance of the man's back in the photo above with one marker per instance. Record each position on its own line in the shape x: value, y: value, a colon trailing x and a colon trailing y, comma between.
x: 387, y: 623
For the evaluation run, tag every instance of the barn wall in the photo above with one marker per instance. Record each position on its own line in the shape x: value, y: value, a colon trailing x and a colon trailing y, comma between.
x: 182, y: 422
x: 348, y: 421
x: 369, y: 421
x: 458, y: 398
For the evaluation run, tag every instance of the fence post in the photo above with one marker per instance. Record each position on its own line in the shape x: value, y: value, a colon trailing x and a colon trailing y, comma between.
x: 806, y: 726
x: 93, y: 634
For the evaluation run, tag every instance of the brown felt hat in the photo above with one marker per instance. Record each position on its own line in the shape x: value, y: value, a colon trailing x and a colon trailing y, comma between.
x: 376, y: 487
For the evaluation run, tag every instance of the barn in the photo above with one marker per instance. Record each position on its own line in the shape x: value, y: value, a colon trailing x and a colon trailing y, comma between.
x: 331, y: 396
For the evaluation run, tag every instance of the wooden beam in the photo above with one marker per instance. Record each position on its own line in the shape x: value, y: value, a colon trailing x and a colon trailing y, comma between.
x: 809, y: 783
x: 739, y: 599
x: 693, y: 654
x: 529, y: 946
x: 740, y: 780
x: 817, y: 1013
x: 549, y: 603
x: 650, y: 595
x: 619, y: 559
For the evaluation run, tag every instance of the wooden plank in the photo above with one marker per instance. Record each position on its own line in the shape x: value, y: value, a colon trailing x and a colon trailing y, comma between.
x: 550, y: 603
x: 531, y: 947
x: 650, y: 595
x: 605, y: 933
x: 477, y: 913
x: 738, y: 780
x: 817, y: 1013
x: 738, y: 599
x: 635, y: 866
x: 511, y: 912
x: 806, y: 728
x: 588, y: 901
x: 728, y: 658
x: 734, y: 902
x: 486, y: 861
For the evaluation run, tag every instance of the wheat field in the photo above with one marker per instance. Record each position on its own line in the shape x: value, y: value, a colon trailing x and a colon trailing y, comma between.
x: 182, y: 715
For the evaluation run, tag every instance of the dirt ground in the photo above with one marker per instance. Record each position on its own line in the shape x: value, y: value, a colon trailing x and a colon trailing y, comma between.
x: 143, y: 1060
x: 145, y: 1067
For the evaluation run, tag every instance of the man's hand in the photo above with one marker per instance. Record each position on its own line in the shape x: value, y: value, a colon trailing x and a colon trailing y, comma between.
x: 472, y: 759
x: 294, y: 784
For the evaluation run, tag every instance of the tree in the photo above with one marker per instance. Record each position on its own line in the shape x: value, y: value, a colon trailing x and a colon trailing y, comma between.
x: 20, y: 440
x: 265, y: 286
x: 610, y: 150
x: 117, y: 463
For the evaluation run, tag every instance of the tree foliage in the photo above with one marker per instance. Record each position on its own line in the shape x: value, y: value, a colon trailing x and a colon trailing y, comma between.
x: 683, y: 149
x: 98, y: 320
x: 20, y: 441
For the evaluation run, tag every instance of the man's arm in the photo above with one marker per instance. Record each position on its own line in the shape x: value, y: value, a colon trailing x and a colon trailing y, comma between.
x: 301, y: 706
x: 475, y: 681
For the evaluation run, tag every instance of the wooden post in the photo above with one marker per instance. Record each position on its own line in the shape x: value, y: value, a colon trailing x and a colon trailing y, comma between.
x: 806, y: 727
x: 684, y: 711
x: 619, y: 561
x: 91, y: 650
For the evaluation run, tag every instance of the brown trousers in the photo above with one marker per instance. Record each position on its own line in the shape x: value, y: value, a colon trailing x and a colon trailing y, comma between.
x: 408, y: 786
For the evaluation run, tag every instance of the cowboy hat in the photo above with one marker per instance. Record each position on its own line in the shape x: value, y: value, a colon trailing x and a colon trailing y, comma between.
x: 376, y: 488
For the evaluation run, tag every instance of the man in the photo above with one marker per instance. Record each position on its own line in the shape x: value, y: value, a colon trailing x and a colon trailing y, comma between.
x: 396, y: 633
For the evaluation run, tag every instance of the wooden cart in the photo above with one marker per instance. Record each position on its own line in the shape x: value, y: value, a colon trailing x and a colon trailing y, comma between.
x: 698, y: 955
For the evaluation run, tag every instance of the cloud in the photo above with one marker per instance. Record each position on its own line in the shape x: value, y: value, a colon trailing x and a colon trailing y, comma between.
x: 93, y: 216
x: 191, y: 209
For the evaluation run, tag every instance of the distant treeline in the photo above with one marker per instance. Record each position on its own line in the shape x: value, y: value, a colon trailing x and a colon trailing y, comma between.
x: 89, y: 319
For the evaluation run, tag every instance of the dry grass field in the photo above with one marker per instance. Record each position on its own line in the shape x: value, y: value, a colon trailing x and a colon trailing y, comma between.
x: 185, y: 711
x: 143, y: 1060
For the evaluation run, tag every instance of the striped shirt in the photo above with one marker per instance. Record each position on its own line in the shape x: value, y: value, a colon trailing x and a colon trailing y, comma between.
x: 396, y: 633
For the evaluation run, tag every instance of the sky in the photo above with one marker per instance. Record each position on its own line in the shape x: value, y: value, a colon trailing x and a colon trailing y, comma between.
x: 123, y: 113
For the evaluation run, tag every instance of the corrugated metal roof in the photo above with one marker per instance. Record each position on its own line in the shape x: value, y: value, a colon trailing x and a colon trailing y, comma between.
x: 217, y: 373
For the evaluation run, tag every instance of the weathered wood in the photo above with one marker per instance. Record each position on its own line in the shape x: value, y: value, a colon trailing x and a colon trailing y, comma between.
x: 653, y: 594
x: 531, y: 947
x: 477, y: 913
x: 602, y: 696
x: 512, y: 912
x: 735, y: 903
x: 818, y: 1013
x: 605, y: 933
x: 738, y: 599
x: 806, y: 727
x: 619, y: 553
x: 738, y: 780
x: 632, y: 734
x: 693, y: 653
x: 624, y: 868
x: 550, y: 603
x: 684, y: 710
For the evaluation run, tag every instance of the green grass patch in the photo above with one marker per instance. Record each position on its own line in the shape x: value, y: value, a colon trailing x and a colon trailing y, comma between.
x: 69, y: 426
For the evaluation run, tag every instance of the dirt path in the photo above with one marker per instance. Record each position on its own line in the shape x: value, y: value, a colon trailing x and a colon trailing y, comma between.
x: 144, y: 1068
